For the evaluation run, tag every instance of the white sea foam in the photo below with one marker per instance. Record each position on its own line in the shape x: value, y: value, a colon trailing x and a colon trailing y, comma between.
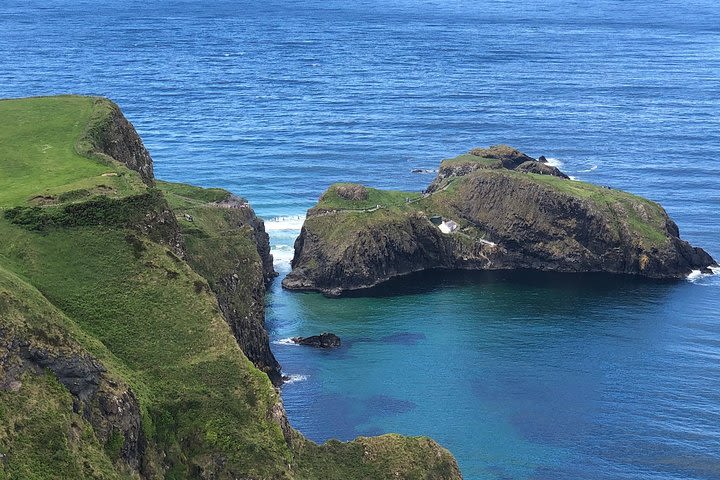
x: 282, y: 256
x: 295, y: 378
x: 554, y: 162
x: 290, y: 222
x: 572, y: 178
x: 697, y: 275
x: 284, y: 341
x: 694, y: 276
x: 591, y: 169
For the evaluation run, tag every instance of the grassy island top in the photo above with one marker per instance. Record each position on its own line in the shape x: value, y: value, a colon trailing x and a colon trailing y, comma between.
x: 468, y: 158
x: 643, y: 217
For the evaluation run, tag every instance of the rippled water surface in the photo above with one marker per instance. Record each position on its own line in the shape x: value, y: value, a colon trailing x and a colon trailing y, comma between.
x: 520, y: 375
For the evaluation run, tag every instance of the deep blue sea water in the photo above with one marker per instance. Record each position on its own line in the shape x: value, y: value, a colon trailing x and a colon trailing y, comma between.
x: 519, y: 375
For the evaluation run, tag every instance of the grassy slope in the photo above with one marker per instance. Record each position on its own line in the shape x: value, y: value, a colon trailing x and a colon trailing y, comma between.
x: 35, y: 421
x: 646, y: 219
x: 40, y: 139
x: 149, y: 318
x: 643, y: 217
x: 330, y: 200
x: 470, y: 159
x: 145, y: 305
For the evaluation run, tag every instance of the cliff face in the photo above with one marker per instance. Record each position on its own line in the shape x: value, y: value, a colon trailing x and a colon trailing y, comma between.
x: 34, y: 340
x: 227, y: 244
x: 508, y: 216
x: 132, y: 339
x: 109, y: 134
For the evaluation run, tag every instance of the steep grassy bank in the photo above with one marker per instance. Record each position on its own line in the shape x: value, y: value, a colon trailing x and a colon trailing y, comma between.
x: 131, y: 316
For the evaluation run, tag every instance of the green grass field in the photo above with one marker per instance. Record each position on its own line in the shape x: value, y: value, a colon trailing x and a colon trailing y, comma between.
x: 472, y: 159
x: 39, y: 142
x: 641, y: 217
x: 330, y: 200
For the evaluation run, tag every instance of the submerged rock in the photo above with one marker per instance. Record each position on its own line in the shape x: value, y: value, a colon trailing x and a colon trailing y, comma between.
x: 324, y: 340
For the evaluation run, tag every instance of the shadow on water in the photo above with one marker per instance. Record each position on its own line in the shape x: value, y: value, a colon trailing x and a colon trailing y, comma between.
x: 434, y: 280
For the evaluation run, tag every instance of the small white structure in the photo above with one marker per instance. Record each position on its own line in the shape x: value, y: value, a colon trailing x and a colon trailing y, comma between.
x: 448, y: 226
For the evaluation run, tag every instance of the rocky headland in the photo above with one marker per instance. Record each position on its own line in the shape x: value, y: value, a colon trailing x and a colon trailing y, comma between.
x: 132, y: 336
x: 490, y: 209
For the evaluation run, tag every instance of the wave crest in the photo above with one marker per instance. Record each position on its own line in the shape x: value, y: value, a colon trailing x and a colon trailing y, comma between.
x: 295, y: 378
x: 697, y: 275
x: 289, y: 222
x: 553, y: 162
x: 282, y: 256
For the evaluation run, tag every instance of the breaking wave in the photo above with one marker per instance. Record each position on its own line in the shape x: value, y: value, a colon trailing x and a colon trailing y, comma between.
x: 591, y: 169
x: 554, y: 162
x: 295, y: 378
x: 282, y: 256
x: 290, y: 222
x: 697, y: 275
x: 284, y: 341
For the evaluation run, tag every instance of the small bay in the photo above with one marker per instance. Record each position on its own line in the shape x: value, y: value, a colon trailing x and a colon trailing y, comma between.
x: 519, y: 374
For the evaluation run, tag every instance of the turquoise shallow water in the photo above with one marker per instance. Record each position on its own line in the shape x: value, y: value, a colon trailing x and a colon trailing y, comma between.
x: 520, y: 375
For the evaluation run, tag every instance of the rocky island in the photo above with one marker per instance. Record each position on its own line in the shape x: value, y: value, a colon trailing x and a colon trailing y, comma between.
x: 132, y: 336
x: 490, y: 209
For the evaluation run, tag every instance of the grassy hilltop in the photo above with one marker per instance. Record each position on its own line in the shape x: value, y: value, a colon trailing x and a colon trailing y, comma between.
x: 119, y: 329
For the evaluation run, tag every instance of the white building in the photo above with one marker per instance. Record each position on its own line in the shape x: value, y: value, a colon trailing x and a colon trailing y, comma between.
x: 448, y: 226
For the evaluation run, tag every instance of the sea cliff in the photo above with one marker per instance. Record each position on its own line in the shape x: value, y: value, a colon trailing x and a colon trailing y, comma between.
x: 490, y: 209
x: 132, y: 338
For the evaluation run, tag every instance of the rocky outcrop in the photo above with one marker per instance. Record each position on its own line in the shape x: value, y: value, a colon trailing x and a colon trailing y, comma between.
x: 352, y: 192
x: 103, y: 400
x: 509, y: 157
x: 324, y: 340
x: 540, y: 168
x: 111, y: 134
x: 508, y: 219
x: 491, y: 158
x: 262, y: 239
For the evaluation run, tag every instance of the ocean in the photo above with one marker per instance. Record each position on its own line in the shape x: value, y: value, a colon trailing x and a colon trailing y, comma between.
x: 521, y: 375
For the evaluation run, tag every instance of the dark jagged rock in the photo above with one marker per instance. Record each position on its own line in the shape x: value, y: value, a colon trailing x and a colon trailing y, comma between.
x: 114, y: 136
x: 508, y: 219
x: 104, y: 401
x: 324, y: 340
x: 352, y: 192
x: 540, y: 168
